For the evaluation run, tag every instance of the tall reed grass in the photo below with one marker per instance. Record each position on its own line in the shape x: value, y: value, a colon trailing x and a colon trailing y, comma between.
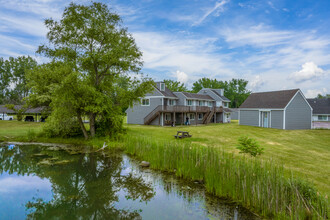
x: 258, y: 185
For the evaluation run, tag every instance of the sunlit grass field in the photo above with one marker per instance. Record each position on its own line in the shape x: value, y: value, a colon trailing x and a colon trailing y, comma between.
x: 306, y: 152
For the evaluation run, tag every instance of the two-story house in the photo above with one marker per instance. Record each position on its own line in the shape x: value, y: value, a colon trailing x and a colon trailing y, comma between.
x: 164, y: 107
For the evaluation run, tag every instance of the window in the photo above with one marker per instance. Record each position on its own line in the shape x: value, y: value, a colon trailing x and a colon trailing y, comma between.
x: 225, y: 104
x: 171, y: 102
x: 201, y: 103
x: 322, y: 118
x: 189, y: 102
x: 162, y: 86
x: 200, y: 116
x: 210, y: 104
x: 167, y: 117
x: 192, y: 116
x: 145, y: 102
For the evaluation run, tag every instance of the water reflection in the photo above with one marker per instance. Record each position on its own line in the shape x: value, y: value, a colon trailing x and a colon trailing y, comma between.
x: 99, y: 185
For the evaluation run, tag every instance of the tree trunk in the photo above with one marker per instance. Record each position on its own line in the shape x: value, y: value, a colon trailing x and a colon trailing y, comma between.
x: 82, y: 126
x: 92, y: 124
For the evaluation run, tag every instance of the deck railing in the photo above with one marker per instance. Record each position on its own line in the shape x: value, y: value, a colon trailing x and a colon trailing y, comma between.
x: 179, y: 108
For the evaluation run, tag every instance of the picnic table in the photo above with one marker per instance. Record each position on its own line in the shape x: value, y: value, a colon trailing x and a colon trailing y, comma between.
x: 182, y: 134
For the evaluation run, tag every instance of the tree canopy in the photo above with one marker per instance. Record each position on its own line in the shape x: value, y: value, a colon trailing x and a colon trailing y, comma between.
x: 320, y: 96
x: 175, y: 86
x: 93, y: 62
x: 13, y: 84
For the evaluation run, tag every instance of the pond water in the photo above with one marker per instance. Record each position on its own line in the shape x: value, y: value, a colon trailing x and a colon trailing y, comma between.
x: 62, y: 182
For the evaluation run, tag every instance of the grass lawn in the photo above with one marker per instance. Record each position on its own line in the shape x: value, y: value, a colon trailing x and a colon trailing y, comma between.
x: 306, y: 152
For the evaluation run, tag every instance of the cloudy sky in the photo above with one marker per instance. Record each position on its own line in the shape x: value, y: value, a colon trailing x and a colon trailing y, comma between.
x: 275, y: 44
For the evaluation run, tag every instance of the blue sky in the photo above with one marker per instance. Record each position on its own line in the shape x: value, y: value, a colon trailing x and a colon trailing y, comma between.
x: 274, y: 44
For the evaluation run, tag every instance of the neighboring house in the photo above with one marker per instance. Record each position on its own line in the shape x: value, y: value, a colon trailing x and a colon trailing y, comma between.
x: 321, y: 112
x: 286, y: 109
x: 234, y: 113
x: 31, y: 114
x: 164, y: 107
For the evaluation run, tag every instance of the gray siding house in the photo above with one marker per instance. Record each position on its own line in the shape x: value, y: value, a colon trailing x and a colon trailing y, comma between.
x: 321, y: 112
x: 164, y: 107
x: 286, y: 109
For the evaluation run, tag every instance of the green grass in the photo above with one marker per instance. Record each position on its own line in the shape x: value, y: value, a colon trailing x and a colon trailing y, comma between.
x: 259, y: 185
x: 306, y: 152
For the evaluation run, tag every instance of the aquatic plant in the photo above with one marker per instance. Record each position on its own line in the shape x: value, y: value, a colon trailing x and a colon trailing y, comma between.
x: 259, y: 185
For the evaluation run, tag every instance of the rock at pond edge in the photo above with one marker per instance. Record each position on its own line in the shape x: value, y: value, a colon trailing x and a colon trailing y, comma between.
x: 144, y: 164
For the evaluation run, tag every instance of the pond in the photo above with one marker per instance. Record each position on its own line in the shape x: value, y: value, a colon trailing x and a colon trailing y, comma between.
x: 70, y: 182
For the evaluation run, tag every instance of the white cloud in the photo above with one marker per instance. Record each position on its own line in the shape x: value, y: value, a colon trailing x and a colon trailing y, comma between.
x: 308, y: 71
x: 20, y: 183
x: 312, y: 93
x: 168, y: 52
x: 256, y: 83
x: 218, y: 6
x: 181, y: 76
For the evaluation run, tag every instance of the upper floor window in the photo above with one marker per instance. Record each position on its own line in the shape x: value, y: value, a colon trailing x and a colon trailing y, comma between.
x: 189, y: 102
x: 200, y: 103
x: 322, y: 117
x: 162, y: 86
x: 225, y: 104
x: 210, y: 104
x: 171, y: 102
x: 145, y: 102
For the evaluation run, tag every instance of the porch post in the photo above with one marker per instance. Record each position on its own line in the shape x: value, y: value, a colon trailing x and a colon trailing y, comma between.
x: 182, y: 118
x: 196, y: 117
x: 174, y: 119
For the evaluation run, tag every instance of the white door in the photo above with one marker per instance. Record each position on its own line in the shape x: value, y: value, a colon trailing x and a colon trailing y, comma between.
x: 265, y: 119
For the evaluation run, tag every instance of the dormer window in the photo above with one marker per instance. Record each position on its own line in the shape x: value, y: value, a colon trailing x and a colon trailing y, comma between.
x: 162, y: 86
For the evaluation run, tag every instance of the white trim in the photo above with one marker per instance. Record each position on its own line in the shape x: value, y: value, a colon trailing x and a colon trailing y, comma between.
x: 145, y: 99
x: 284, y: 116
x: 151, y: 97
x: 162, y: 118
x: 263, y: 109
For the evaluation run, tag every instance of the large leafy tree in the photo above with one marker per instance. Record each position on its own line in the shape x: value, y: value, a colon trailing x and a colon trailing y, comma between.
x: 13, y: 84
x: 91, y: 54
x: 237, y: 92
x: 175, y: 86
x: 208, y: 83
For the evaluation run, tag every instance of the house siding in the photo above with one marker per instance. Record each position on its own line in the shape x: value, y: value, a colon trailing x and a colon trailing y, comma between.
x: 181, y: 100
x: 298, y: 114
x: 249, y: 117
x: 137, y: 113
x: 277, y: 119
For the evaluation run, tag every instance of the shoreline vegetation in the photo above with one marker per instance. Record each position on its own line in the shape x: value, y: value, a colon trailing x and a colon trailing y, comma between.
x: 263, y: 186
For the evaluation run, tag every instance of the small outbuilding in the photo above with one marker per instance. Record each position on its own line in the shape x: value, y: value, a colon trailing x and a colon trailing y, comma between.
x: 321, y: 112
x: 285, y: 109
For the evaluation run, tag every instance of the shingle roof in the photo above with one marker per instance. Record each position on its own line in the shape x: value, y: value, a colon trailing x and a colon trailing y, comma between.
x: 320, y: 106
x: 167, y: 92
x: 197, y: 96
x: 275, y: 99
x: 221, y: 96
x: 38, y: 110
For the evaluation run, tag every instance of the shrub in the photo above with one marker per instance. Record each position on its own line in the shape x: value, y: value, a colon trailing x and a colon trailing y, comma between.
x: 68, y: 127
x: 31, y: 135
x: 250, y: 146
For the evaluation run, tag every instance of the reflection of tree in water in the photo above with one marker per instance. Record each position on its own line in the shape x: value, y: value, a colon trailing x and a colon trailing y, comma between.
x: 84, y: 188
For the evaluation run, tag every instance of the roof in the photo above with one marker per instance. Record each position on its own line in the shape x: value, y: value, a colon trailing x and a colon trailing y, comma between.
x: 275, y: 99
x: 167, y: 92
x: 197, y: 96
x: 221, y: 96
x: 320, y: 106
x: 38, y: 110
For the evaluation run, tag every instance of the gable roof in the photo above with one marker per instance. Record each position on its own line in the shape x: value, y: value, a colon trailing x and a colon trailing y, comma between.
x: 197, y: 96
x: 167, y: 92
x: 320, y: 106
x: 221, y: 96
x: 274, y: 99
x: 38, y: 110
